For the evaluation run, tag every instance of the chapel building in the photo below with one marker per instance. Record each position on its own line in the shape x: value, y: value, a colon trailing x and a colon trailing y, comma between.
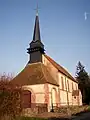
x: 44, y: 80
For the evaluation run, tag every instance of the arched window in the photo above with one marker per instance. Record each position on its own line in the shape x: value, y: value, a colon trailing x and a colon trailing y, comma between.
x: 54, y: 96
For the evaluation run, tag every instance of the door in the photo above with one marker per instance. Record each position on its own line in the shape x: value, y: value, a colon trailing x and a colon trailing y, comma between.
x: 26, y: 99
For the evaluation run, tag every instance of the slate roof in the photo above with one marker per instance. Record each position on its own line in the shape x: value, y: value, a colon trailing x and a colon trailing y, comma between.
x: 36, y: 35
x: 60, y: 68
x: 36, y: 73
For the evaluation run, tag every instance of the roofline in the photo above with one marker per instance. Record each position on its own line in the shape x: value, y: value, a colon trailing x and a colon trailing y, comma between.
x: 69, y: 76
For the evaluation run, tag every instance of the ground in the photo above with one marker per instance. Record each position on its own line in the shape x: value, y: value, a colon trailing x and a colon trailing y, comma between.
x: 83, y: 116
x: 57, y: 116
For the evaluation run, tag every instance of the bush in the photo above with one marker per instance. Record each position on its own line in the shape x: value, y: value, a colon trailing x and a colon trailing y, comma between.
x: 10, y: 102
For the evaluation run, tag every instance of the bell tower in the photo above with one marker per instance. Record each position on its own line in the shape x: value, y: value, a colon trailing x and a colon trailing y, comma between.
x: 36, y: 48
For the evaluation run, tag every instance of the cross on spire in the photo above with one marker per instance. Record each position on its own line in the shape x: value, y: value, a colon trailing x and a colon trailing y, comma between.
x: 37, y: 8
x: 36, y: 34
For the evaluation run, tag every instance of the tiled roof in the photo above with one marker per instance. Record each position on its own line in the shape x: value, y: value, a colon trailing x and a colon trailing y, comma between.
x: 60, y: 68
x: 36, y: 73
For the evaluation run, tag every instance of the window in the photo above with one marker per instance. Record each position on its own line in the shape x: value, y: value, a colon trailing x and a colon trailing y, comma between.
x: 76, y: 86
x: 72, y: 86
x: 68, y: 85
x: 62, y: 82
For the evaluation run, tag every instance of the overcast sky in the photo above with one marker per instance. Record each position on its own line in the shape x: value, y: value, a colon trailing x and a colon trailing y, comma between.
x: 64, y: 32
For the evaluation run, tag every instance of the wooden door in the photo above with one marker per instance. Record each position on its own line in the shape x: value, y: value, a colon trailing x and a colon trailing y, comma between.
x: 26, y: 99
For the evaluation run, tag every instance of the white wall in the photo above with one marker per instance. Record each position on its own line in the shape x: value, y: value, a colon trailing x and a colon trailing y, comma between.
x: 53, y: 91
x: 67, y: 96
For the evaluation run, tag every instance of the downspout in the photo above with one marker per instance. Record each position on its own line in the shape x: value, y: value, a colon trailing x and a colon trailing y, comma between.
x: 52, y: 110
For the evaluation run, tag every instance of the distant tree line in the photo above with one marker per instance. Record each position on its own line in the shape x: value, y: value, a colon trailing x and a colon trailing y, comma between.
x: 83, y: 82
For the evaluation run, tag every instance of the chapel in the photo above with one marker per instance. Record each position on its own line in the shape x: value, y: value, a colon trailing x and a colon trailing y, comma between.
x: 43, y: 80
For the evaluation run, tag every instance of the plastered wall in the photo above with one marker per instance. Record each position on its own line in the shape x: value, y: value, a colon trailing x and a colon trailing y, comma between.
x: 38, y: 91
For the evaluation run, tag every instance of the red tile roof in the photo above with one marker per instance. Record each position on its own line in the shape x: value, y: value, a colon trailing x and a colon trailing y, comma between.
x: 60, y: 68
x: 36, y: 73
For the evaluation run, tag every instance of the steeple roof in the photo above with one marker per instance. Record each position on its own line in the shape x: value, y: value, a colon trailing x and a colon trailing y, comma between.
x: 36, y: 48
x: 36, y: 34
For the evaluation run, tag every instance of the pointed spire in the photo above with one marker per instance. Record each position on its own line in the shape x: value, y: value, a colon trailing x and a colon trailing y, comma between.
x: 36, y: 48
x: 36, y: 34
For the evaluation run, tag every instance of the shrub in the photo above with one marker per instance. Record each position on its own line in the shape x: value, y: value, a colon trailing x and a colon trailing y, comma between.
x: 10, y: 102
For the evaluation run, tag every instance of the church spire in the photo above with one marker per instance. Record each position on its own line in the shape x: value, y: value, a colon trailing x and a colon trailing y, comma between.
x: 36, y: 34
x: 36, y: 48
